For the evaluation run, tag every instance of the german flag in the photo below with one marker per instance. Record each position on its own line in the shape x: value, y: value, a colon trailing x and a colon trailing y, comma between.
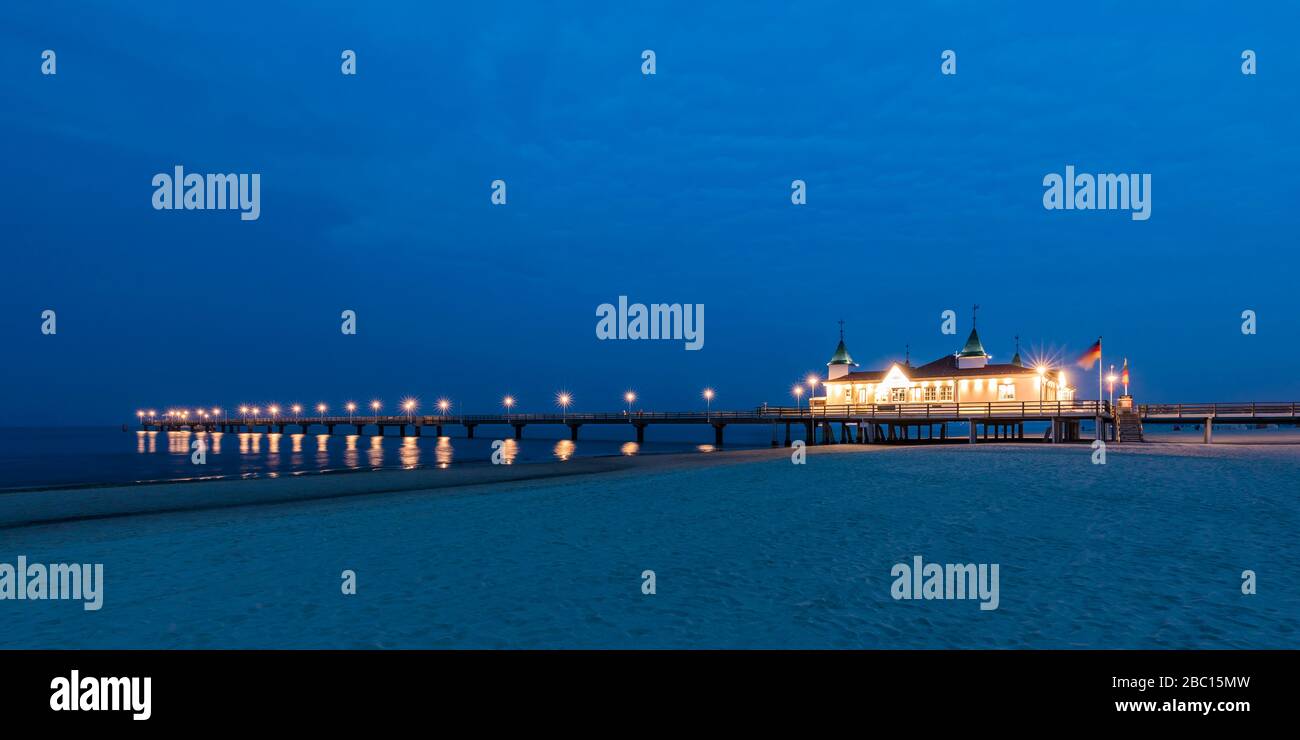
x: 1089, y: 358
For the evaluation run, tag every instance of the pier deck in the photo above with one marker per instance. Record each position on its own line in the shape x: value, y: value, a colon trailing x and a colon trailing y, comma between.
x: 857, y: 423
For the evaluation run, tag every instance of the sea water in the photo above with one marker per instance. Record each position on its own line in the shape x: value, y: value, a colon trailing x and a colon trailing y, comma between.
x: 53, y: 457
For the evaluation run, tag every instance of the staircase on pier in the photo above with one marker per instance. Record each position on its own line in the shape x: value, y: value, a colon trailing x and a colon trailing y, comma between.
x: 1128, y: 424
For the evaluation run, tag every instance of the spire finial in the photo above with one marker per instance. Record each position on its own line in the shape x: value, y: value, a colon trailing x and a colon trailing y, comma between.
x: 974, y: 315
x: 1017, y: 344
x: 907, y: 355
x: 841, y: 330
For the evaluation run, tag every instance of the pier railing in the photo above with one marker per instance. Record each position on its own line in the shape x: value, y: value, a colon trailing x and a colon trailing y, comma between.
x: 1252, y: 409
x: 951, y: 410
x: 913, y: 412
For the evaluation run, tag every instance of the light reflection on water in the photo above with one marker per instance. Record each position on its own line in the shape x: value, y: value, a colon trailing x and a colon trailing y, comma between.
x: 351, y: 457
x: 509, y: 449
x: 159, y: 455
x: 410, y: 452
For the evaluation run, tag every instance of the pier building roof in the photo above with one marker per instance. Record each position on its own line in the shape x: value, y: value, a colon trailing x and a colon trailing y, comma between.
x: 944, y: 367
x: 973, y: 348
x: 842, y: 356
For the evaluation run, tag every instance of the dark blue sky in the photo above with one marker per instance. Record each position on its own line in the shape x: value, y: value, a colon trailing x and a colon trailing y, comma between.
x: 924, y: 194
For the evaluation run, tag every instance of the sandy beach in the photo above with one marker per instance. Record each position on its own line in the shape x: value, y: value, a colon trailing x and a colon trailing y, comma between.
x: 748, y: 550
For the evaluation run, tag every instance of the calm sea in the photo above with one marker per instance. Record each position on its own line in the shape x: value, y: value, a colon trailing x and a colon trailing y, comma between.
x: 72, y: 456
x: 53, y: 457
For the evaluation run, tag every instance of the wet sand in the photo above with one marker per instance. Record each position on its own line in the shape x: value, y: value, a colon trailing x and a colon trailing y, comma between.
x: 21, y: 508
x: 24, y: 508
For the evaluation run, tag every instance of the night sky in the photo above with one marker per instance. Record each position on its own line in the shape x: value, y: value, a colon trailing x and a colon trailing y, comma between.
x: 924, y: 194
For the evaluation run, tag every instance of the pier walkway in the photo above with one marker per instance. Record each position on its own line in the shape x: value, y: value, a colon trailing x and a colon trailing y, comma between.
x: 864, y: 423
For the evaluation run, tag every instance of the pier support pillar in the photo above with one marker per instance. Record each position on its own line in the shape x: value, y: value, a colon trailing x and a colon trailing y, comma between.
x: 787, y: 434
x: 717, y: 435
x: 437, y: 430
x: 1209, y: 430
x: 519, y: 431
x: 469, y: 431
x: 379, y: 430
x: 972, y: 431
x: 809, y: 433
x: 573, y: 432
x: 416, y: 430
x: 640, y: 434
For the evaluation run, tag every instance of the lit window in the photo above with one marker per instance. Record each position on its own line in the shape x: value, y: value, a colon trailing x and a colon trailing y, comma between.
x: 1007, y: 392
x: 930, y: 394
x: 898, y: 394
x: 945, y: 393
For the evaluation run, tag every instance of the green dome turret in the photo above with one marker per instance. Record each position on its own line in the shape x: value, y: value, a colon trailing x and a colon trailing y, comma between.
x: 842, y: 356
x: 973, y: 348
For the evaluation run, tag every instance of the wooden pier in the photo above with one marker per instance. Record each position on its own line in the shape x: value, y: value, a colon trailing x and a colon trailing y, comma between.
x: 1208, y: 414
x: 866, y: 423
